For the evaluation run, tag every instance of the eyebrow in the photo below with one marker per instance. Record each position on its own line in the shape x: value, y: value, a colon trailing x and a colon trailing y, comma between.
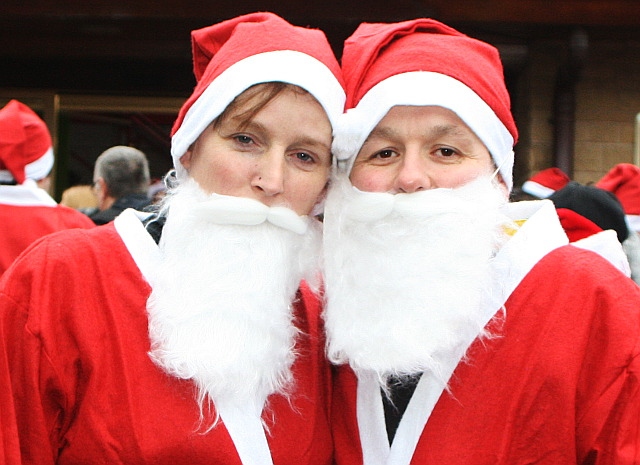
x: 447, y: 129
x: 247, y: 124
x: 383, y: 132
x: 314, y: 143
x: 386, y: 132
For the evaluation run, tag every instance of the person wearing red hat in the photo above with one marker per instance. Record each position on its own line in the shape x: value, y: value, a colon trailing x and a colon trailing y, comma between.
x: 576, y: 206
x: 544, y: 183
x: 192, y: 334
x: 594, y: 219
x: 623, y: 181
x: 27, y: 211
x: 464, y: 328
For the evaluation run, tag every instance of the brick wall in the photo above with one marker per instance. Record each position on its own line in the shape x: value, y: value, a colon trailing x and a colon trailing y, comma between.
x: 607, y: 102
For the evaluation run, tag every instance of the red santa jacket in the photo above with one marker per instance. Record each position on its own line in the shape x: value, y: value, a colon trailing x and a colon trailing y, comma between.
x: 75, y: 369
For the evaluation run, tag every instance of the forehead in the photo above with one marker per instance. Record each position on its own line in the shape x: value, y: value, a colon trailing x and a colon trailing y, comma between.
x: 251, y: 104
x: 425, y: 116
x: 427, y: 122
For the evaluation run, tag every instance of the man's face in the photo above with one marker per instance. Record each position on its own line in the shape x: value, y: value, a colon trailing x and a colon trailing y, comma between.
x: 415, y: 148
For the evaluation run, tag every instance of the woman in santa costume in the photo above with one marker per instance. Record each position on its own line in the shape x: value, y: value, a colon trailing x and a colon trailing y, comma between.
x: 27, y: 211
x: 186, y: 336
x: 466, y: 329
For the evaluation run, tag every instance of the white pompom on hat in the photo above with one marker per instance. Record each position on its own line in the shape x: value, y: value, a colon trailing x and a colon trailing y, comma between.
x: 544, y: 183
x: 424, y: 62
x: 623, y: 180
x: 26, y: 150
x: 231, y: 56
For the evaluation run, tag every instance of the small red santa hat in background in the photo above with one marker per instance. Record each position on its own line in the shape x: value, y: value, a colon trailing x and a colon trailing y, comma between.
x: 424, y: 62
x: 623, y: 180
x: 26, y: 150
x: 546, y: 182
x: 236, y: 54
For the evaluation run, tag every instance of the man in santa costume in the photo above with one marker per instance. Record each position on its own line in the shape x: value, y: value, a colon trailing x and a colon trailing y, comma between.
x: 27, y: 211
x: 186, y: 337
x: 465, y: 329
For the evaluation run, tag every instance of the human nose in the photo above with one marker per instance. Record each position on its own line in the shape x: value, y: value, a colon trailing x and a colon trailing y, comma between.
x: 413, y: 174
x: 269, y: 176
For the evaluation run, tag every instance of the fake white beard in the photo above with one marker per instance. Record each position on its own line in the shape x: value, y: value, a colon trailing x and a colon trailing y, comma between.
x: 405, y: 274
x: 220, y: 312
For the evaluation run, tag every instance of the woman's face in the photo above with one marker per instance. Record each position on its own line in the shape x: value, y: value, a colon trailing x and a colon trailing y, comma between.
x: 280, y: 156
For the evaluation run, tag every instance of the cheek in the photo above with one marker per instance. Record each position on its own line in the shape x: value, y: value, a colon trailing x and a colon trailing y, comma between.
x: 369, y: 180
x: 221, y: 177
x: 305, y: 192
x: 459, y: 178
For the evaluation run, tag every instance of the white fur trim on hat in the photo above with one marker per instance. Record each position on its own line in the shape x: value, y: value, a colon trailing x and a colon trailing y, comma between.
x: 537, y: 189
x: 287, y: 66
x: 35, y: 170
x: 424, y: 88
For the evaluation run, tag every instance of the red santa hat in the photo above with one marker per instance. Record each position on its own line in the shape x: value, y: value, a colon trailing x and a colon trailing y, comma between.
x: 623, y: 180
x: 546, y: 182
x: 424, y: 62
x: 236, y: 54
x: 26, y: 151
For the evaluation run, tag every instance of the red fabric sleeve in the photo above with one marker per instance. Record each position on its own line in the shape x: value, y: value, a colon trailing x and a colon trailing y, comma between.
x: 610, y: 430
x: 10, y: 453
x: 30, y: 371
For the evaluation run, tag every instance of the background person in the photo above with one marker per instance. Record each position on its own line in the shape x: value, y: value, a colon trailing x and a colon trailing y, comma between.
x: 189, y: 336
x: 623, y: 180
x: 27, y: 211
x: 465, y: 329
x: 80, y: 197
x: 585, y: 213
x: 120, y: 181
x: 157, y: 190
x: 545, y: 182
x: 591, y: 217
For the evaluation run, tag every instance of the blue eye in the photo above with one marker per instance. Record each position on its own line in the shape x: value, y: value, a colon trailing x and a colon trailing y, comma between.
x: 243, y: 139
x: 305, y: 157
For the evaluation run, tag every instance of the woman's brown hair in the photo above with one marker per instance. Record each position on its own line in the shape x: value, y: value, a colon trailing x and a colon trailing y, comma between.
x: 260, y: 95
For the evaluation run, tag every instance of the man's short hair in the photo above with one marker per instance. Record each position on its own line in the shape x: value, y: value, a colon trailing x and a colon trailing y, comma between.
x: 125, y: 170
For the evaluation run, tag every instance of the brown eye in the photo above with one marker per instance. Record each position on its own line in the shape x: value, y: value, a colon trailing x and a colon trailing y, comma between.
x: 445, y: 152
x: 384, y: 154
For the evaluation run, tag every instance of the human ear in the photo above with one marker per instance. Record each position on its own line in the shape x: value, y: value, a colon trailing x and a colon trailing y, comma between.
x: 503, y: 185
x: 186, y: 159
